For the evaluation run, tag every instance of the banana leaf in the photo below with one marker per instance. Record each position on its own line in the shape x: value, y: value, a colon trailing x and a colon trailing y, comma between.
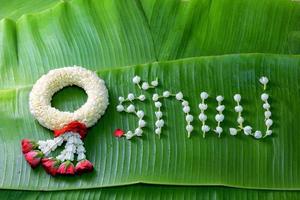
x: 116, y: 38
x: 154, y: 192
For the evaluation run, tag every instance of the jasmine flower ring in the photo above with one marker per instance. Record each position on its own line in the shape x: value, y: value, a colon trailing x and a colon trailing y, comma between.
x: 43, y: 90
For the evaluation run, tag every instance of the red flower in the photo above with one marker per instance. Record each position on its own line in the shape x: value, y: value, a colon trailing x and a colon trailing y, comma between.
x: 66, y: 168
x: 50, y: 165
x: 34, y: 158
x: 73, y: 126
x: 28, y: 145
x: 119, y: 132
x: 84, y: 166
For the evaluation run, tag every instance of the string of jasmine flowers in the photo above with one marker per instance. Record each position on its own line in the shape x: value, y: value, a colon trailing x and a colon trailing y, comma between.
x: 240, y: 120
x: 266, y: 106
x: 159, y: 124
x: 131, y: 109
x: 145, y: 85
x: 219, y: 117
x: 202, y: 117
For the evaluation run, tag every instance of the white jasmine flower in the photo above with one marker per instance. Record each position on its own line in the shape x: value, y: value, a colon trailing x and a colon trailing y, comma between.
x: 238, y: 108
x: 232, y: 131
x: 202, y: 106
x: 158, y: 114
x: 189, y: 128
x: 269, y: 122
x: 81, y: 156
x: 189, y: 118
x: 142, y: 97
x: 157, y: 104
x: 240, y: 120
x: 138, y: 132
x: 80, y: 149
x: 179, y: 96
x: 202, y: 117
x: 136, y: 80
x: 268, y: 114
x: 219, y: 117
x: 166, y: 94
x: 266, y: 106
x: 130, y: 108
x: 145, y: 86
x: 247, y: 130
x: 159, y: 123
x: 185, y: 103
x: 205, y: 128
x: 129, y: 135
x: 158, y: 131
x: 186, y: 109
x: 120, y: 108
x: 121, y: 99
x: 264, y: 80
x: 237, y: 97
x: 140, y: 114
x: 142, y: 123
x: 130, y: 97
x: 203, y: 95
x: 219, y: 130
x: 220, y: 98
x: 269, y: 132
x: 264, y: 97
x: 257, y: 134
x: 154, y: 83
x: 220, y: 108
x: 155, y: 97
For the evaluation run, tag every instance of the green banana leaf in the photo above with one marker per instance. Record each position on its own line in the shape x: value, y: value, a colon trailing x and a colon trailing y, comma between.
x: 116, y: 38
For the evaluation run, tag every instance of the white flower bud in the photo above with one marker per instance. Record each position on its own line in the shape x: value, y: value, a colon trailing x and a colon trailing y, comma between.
x: 240, y: 120
x: 247, y: 130
x: 220, y: 108
x: 157, y: 104
x: 129, y: 135
x: 185, y: 103
x: 154, y: 83
x: 264, y: 97
x: 266, y: 106
x: 142, y: 123
x: 140, y: 114
x: 269, y: 132
x: 238, y: 108
x: 130, y: 96
x: 121, y: 99
x: 202, y: 117
x: 202, y: 106
x: 189, y: 128
x: 219, y: 130
x: 166, y: 94
x: 155, y: 97
x: 138, y: 132
x: 257, y: 134
x: 264, y: 80
x: 145, y: 86
x: 232, y: 131
x: 130, y: 108
x: 220, y: 98
x: 120, y: 108
x: 205, y: 128
x: 186, y: 109
x: 269, y: 122
x: 237, y: 97
x: 142, y: 97
x: 268, y: 114
x: 219, y: 117
x: 136, y: 79
x: 158, y: 131
x: 189, y: 118
x: 203, y: 95
x: 158, y: 114
x: 179, y: 96
x: 159, y: 123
